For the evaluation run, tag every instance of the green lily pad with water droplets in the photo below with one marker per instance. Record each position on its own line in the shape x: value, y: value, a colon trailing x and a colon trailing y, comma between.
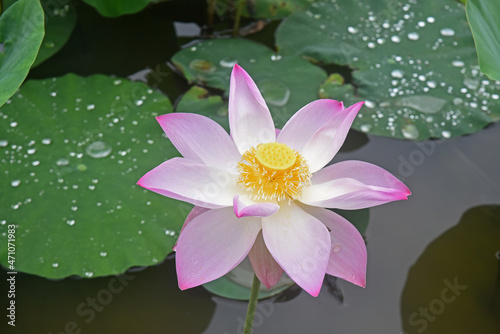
x: 454, y: 286
x: 21, y: 33
x: 484, y: 16
x: 60, y: 19
x: 287, y: 83
x: 414, y: 63
x: 198, y: 100
x: 114, y: 8
x: 71, y: 151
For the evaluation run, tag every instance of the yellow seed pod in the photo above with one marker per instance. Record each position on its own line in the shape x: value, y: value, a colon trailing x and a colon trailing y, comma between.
x: 275, y: 156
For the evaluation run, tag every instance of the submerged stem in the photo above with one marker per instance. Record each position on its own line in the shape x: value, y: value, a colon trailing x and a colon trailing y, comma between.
x: 210, y: 13
x: 252, y: 304
x: 237, y: 18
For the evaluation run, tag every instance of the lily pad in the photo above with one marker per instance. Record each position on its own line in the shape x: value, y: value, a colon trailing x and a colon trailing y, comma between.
x: 415, y: 64
x: 273, y: 9
x: 286, y: 82
x: 21, y: 32
x: 454, y: 287
x: 483, y: 16
x: 237, y: 284
x: 114, y: 8
x: 60, y: 20
x: 72, y: 150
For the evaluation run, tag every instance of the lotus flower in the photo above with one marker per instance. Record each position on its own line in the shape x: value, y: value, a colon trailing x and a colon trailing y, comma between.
x: 262, y: 193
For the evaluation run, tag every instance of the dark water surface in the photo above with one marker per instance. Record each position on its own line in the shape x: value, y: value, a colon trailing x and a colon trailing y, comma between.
x: 447, y: 178
x: 459, y: 174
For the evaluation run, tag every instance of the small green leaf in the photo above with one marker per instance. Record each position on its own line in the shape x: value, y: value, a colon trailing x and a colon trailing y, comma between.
x: 484, y: 20
x: 198, y: 100
x: 60, y: 19
x: 21, y: 32
x: 414, y: 64
x: 72, y: 150
x: 113, y: 8
x: 286, y: 83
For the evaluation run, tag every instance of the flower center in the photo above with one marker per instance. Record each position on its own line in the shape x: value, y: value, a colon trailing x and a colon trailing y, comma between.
x: 273, y: 171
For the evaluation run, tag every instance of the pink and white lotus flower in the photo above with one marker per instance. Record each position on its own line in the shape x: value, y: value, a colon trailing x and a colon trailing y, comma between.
x: 262, y: 193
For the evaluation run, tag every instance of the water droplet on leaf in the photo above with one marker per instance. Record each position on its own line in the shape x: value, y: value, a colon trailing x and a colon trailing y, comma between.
x: 98, y: 149
x: 397, y: 74
x: 413, y: 36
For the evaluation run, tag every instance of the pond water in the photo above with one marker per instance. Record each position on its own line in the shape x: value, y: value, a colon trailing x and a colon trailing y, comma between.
x: 441, y: 294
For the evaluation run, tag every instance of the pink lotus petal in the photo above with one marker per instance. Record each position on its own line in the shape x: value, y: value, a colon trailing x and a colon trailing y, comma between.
x: 265, y: 267
x: 212, y: 244
x: 245, y: 207
x: 353, y: 185
x: 325, y: 143
x: 191, y: 182
x: 249, y: 118
x: 348, y: 250
x: 200, y: 139
x: 195, y: 212
x: 306, y: 122
x: 300, y: 244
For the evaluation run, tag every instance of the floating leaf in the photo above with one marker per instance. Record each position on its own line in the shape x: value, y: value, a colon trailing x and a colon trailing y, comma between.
x: 21, y: 32
x: 113, y: 8
x: 287, y: 83
x: 484, y: 18
x: 72, y: 150
x: 237, y: 284
x: 414, y: 64
x: 60, y: 19
x: 454, y: 287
